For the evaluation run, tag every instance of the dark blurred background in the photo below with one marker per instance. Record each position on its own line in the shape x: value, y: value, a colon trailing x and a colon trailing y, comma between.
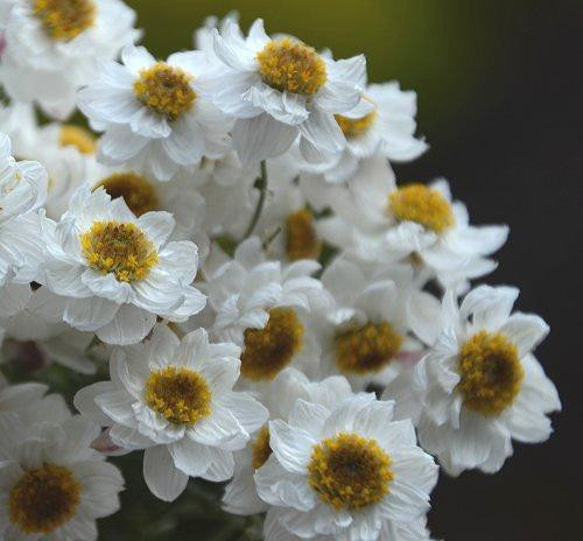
x: 500, y: 86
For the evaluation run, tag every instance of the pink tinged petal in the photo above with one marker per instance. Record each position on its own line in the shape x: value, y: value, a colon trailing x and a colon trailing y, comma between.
x: 129, y: 326
x: 262, y: 137
x: 291, y: 446
x: 164, y: 480
x: 190, y: 457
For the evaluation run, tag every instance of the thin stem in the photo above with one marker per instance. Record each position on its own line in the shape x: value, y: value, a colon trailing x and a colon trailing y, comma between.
x: 261, y: 184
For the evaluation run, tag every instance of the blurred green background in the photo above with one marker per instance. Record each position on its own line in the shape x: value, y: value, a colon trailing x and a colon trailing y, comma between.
x: 499, y: 86
x: 438, y: 48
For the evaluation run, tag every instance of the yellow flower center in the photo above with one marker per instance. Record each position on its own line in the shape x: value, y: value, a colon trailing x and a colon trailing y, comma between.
x: 423, y: 205
x: 491, y: 373
x: 165, y: 90
x: 64, y: 20
x: 301, y: 239
x: 269, y: 350
x: 290, y: 65
x: 119, y: 248
x: 349, y: 471
x: 260, y: 448
x: 181, y: 395
x: 44, y: 499
x: 140, y: 196
x: 367, y: 349
x: 353, y: 128
x: 76, y: 136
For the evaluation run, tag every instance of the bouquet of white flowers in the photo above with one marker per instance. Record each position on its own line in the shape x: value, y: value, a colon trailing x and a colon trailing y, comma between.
x: 229, y: 286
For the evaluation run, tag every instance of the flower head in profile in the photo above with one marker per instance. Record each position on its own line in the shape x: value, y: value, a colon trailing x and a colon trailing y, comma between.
x: 482, y: 385
x: 114, y: 273
x: 174, y: 399
x: 54, y: 46
x: 347, y: 471
x: 53, y: 484
x: 282, y: 89
x: 153, y: 113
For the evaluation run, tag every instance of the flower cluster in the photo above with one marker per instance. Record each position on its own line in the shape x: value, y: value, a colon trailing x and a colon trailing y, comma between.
x: 250, y: 294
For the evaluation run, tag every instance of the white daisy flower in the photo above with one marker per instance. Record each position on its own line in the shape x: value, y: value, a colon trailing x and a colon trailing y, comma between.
x: 17, y: 399
x: 66, y: 151
x: 241, y: 496
x: 378, y: 320
x: 36, y: 335
x: 388, y: 129
x: 287, y: 225
x: 380, y: 221
x: 53, y: 486
x: 23, y: 189
x: 483, y: 386
x: 153, y: 114
x: 54, y: 46
x: 265, y: 307
x: 174, y: 398
x: 143, y: 194
x: 113, y: 273
x: 281, y: 89
x: 390, y: 531
x: 347, y: 472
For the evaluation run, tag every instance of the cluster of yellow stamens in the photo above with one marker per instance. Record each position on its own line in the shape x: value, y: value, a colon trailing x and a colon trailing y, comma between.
x: 349, y: 471
x: 76, y: 136
x: 140, y: 196
x: 269, y: 350
x: 119, y: 248
x: 369, y: 348
x: 165, y: 90
x: 353, y: 128
x: 301, y: 239
x: 181, y: 395
x: 423, y: 205
x: 260, y: 448
x: 290, y: 65
x: 491, y: 373
x: 64, y: 20
x: 44, y: 499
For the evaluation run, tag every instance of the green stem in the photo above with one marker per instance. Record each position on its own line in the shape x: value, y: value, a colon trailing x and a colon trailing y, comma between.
x: 261, y: 185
